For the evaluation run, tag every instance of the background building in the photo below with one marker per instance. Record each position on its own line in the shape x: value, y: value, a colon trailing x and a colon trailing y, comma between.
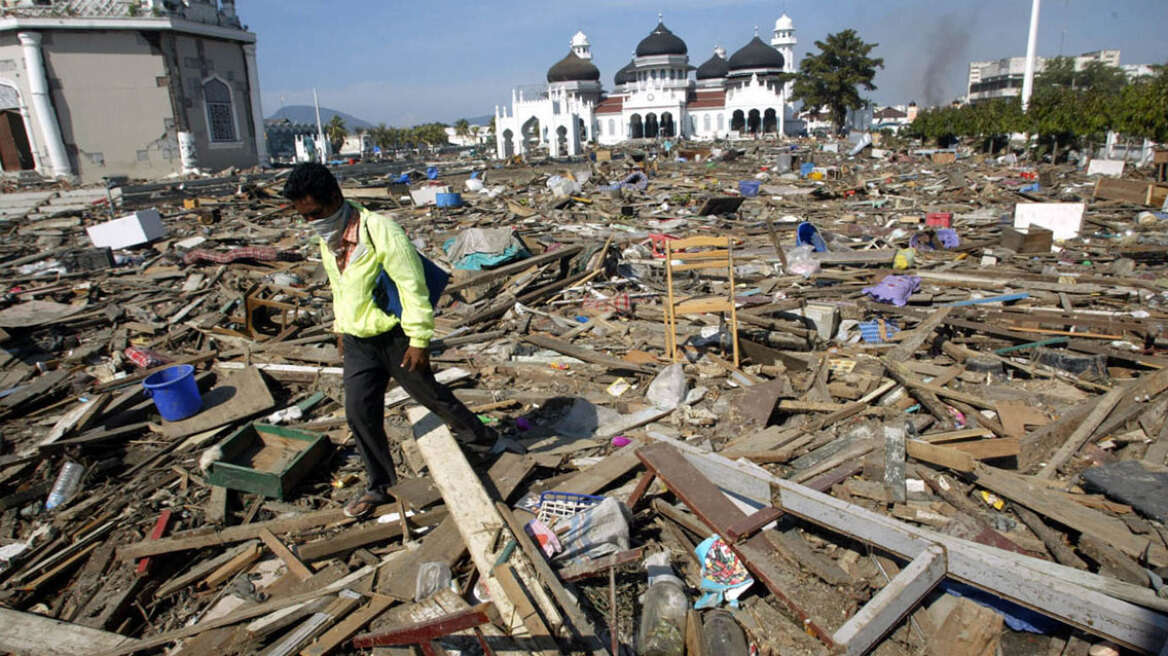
x: 744, y: 95
x: 1002, y: 78
x: 140, y: 88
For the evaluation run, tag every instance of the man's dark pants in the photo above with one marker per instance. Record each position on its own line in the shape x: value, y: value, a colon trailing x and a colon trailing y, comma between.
x: 369, y: 362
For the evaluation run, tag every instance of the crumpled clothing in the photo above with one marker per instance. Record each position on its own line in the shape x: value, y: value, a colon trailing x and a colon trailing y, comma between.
x: 944, y: 238
x: 894, y: 289
x: 260, y: 253
x: 724, y: 577
x: 476, y: 248
x: 544, y: 537
x: 635, y: 180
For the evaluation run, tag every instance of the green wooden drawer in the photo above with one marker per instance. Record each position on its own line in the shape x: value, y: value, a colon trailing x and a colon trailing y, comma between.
x: 268, y: 460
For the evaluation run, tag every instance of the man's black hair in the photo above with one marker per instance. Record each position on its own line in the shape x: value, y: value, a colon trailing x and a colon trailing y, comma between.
x: 312, y: 179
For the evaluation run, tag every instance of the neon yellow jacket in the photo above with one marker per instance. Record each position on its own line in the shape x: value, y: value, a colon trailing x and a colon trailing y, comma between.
x: 386, y: 244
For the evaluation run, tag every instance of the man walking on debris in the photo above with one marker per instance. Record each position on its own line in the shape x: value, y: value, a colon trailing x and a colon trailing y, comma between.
x: 356, y: 245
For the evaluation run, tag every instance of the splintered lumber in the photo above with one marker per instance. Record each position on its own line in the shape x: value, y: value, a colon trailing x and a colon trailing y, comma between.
x: 424, y: 632
x: 201, y: 571
x: 345, y: 629
x: 359, y: 536
x: 1035, y: 496
x: 247, y: 612
x: 315, y: 625
x: 581, y: 626
x: 477, y: 518
x: 514, y: 267
x: 1083, y: 431
x: 1093, y: 603
x: 202, y: 537
x: 587, y: 355
x: 913, y: 340
x: 26, y: 634
x: 895, y: 600
x: 281, y: 550
x: 719, y: 513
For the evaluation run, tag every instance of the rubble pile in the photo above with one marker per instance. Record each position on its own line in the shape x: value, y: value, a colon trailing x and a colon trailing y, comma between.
x: 935, y: 419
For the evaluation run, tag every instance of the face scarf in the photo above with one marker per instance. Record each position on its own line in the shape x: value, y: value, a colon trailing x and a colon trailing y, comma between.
x: 331, y: 227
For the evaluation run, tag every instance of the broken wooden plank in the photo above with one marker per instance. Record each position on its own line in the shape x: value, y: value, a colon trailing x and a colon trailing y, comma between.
x: 1083, y: 431
x: 27, y: 634
x: 585, y: 354
x: 281, y: 550
x: 895, y: 600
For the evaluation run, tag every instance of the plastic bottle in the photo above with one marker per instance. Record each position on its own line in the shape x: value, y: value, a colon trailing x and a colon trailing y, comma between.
x: 722, y: 635
x: 66, y: 484
x: 662, y: 628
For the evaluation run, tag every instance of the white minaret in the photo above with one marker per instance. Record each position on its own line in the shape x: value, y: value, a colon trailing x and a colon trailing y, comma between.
x: 581, y: 47
x: 784, y: 41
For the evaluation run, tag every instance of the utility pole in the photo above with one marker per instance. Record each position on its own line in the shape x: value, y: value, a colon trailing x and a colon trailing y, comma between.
x: 1031, y: 56
x: 319, y: 129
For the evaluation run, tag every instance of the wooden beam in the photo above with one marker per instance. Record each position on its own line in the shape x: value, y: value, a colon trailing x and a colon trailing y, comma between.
x: 895, y: 600
x: 1083, y: 432
x: 27, y: 634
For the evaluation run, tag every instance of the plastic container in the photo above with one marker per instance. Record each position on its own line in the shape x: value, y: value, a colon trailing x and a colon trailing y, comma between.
x: 722, y: 635
x: 452, y: 199
x: 748, y: 188
x: 554, y: 505
x: 663, y: 612
x: 806, y: 234
x: 68, y: 480
x: 175, y: 393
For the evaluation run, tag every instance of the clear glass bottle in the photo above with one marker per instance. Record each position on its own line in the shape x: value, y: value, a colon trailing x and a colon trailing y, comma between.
x: 722, y: 635
x: 68, y: 480
x: 662, y: 629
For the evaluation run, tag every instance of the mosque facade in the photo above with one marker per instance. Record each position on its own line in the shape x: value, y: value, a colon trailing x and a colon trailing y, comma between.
x: 654, y: 96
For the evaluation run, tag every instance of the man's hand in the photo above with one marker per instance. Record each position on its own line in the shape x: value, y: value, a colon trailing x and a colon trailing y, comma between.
x: 416, y: 359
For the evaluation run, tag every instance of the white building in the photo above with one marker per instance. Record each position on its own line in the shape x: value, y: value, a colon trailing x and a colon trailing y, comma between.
x: 654, y: 96
x: 1002, y: 78
x: 142, y: 88
x: 477, y: 135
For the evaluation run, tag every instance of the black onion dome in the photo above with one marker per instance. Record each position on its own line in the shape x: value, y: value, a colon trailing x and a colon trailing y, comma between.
x: 715, y: 68
x: 625, y: 75
x: 754, y: 55
x: 573, y: 69
x: 661, y: 42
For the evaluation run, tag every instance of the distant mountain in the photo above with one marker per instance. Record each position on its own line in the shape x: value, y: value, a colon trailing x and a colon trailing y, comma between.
x: 307, y: 114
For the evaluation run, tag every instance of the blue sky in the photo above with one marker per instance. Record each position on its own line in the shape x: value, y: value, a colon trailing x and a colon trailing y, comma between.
x: 404, y: 63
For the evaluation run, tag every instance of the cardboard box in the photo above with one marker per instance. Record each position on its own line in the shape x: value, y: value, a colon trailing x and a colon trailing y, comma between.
x: 1034, y: 239
x: 138, y: 228
x: 944, y: 157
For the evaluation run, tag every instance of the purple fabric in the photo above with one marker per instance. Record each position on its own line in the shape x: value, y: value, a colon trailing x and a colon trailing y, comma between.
x: 948, y: 237
x: 894, y: 289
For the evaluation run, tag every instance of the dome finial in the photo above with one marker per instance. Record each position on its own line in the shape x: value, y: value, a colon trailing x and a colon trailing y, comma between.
x: 660, y: 17
x: 756, y: 30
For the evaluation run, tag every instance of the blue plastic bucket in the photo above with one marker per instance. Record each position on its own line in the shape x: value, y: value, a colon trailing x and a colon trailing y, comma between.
x: 748, y: 188
x: 175, y: 392
x: 448, y: 200
x: 808, y: 235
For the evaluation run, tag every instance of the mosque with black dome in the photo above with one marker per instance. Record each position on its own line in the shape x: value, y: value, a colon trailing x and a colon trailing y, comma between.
x: 742, y: 96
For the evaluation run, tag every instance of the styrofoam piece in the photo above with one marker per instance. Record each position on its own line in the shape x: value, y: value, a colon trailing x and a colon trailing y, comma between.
x: 1063, y: 219
x: 428, y: 194
x: 1108, y: 167
x: 131, y: 230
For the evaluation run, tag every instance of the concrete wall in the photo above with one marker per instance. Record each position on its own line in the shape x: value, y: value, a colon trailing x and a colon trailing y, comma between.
x: 200, y: 59
x: 109, y: 90
x: 112, y: 90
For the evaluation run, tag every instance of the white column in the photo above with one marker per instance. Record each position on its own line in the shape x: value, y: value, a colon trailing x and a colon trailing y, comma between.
x: 34, y: 64
x: 257, y: 111
x: 1031, y: 56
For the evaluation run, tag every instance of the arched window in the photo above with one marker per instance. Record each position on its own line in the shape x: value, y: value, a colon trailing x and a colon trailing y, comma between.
x: 611, y: 127
x: 220, y: 116
x: 721, y: 122
x: 706, y: 123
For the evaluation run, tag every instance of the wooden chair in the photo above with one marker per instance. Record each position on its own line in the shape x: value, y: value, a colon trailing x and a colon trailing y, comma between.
x: 692, y: 254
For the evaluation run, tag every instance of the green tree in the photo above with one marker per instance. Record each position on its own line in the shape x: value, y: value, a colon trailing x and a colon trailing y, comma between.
x: 832, y: 77
x: 335, y: 131
x: 462, y: 127
x: 1094, y: 76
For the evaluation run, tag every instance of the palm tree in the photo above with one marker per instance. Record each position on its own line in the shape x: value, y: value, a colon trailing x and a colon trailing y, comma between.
x: 462, y: 127
x: 336, y: 132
